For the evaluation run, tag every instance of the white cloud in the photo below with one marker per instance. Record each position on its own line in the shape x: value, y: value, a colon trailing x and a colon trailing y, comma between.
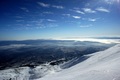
x: 14, y: 46
x: 78, y: 11
x: 25, y: 9
x: 58, y: 7
x: 50, y: 20
x: 48, y: 5
x: 88, y: 10
x: 101, y: 9
x: 86, y: 26
x: 110, y: 1
x: 43, y: 4
x: 52, y: 25
x: 76, y: 17
x: 39, y: 27
x: 92, y: 19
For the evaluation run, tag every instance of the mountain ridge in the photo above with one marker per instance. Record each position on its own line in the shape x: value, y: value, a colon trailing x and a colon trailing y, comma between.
x: 103, y: 65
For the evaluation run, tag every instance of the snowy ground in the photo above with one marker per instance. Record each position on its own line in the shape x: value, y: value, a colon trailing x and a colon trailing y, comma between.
x: 102, y: 65
x: 26, y: 73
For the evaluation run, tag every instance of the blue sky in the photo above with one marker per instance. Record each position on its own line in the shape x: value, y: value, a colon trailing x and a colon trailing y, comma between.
x: 50, y: 19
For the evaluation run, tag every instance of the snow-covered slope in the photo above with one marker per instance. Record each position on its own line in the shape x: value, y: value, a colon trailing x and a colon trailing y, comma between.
x: 26, y: 73
x: 15, y: 74
x: 104, y: 65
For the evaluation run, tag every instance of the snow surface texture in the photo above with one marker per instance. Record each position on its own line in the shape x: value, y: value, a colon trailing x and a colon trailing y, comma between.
x: 26, y: 73
x: 102, y: 65
x: 15, y: 74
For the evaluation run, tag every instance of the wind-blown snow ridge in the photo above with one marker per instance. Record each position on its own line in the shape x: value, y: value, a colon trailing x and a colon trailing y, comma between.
x: 102, y: 65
